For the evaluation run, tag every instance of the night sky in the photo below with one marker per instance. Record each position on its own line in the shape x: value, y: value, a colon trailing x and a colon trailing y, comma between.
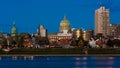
x: 29, y: 14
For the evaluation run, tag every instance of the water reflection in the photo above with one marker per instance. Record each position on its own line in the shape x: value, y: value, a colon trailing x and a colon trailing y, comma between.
x: 102, y: 58
x: 80, y: 58
x: 54, y: 62
x: 14, y: 57
x: 28, y: 57
x: 0, y: 57
x: 80, y: 62
x: 104, y: 62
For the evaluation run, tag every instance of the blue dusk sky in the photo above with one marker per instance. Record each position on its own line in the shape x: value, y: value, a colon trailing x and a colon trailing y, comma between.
x: 29, y: 14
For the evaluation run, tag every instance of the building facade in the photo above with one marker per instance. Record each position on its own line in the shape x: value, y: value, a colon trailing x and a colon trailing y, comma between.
x: 90, y: 33
x: 77, y: 33
x: 102, y: 19
x: 41, y: 31
x: 64, y: 36
x: 115, y: 30
x: 86, y: 35
x: 60, y: 38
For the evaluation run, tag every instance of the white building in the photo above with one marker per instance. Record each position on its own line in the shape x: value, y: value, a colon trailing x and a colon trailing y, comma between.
x: 42, y: 31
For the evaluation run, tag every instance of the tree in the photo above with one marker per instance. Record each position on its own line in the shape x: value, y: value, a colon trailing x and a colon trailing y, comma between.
x: 73, y: 43
x: 4, y: 42
x: 99, y: 35
x: 116, y: 42
x: 110, y: 43
x: 80, y: 41
x: 41, y: 40
x: 22, y: 37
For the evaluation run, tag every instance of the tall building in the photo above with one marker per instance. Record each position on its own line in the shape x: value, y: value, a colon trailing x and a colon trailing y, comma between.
x: 65, y: 25
x: 42, y: 31
x: 102, y: 19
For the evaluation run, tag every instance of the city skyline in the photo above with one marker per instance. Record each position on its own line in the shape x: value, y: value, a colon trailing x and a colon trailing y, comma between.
x: 29, y: 14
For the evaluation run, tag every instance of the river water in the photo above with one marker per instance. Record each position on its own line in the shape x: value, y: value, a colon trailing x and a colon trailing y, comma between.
x: 59, y: 62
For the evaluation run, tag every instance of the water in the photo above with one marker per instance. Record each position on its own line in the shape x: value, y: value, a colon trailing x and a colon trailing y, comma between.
x: 59, y: 62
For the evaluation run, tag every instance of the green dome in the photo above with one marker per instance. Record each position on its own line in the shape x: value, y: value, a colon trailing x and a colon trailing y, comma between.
x: 64, y: 22
x: 14, y: 30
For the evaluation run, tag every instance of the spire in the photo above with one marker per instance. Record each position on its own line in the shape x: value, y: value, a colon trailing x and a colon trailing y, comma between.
x: 64, y: 17
x: 13, y: 23
x: 101, y: 5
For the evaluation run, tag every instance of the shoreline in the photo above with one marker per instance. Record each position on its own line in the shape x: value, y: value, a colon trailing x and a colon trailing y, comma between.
x: 66, y: 55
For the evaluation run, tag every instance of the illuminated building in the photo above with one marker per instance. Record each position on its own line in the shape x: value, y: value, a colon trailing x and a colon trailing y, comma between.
x: 27, y: 41
x: 115, y: 30
x: 64, y: 36
x: 14, y: 30
x: 65, y: 25
x: 102, y: 19
x: 85, y: 35
x: 61, y: 39
x: 90, y: 33
x: 42, y: 31
x: 77, y: 33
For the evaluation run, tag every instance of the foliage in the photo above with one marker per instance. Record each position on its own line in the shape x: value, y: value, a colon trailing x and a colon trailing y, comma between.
x: 116, y: 42
x: 110, y: 43
x: 61, y: 51
x: 52, y: 51
x: 73, y: 43
x: 80, y: 41
x: 21, y: 38
x: 41, y: 40
x: 99, y: 35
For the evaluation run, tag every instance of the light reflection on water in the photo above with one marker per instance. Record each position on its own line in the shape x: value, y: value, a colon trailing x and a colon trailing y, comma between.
x: 24, y: 57
x: 59, y: 62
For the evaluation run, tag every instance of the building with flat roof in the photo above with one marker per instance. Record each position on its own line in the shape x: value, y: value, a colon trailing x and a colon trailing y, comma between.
x: 102, y: 20
x: 41, y: 31
x: 115, y: 30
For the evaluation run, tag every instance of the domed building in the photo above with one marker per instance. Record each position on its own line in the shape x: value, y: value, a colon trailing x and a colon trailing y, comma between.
x: 65, y: 25
x: 14, y: 30
x: 64, y: 36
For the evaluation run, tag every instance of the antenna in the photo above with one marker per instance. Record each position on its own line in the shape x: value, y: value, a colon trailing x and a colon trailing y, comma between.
x: 106, y: 3
x: 13, y: 22
x: 100, y: 3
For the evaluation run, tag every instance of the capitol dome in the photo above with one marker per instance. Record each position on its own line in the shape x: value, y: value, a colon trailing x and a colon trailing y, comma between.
x: 64, y: 22
x: 13, y: 30
x: 64, y: 25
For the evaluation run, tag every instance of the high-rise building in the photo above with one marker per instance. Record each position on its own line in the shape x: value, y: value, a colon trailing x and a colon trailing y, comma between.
x: 102, y: 19
x: 42, y: 31
x: 65, y: 25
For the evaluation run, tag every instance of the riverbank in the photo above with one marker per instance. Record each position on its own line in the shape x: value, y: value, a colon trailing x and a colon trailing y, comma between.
x: 62, y: 52
x: 97, y: 55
